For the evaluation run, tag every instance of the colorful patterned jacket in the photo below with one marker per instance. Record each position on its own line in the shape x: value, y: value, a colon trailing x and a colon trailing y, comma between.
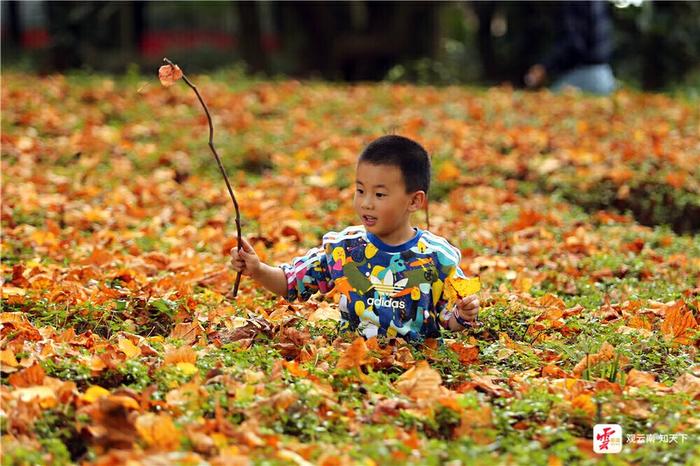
x: 385, y: 290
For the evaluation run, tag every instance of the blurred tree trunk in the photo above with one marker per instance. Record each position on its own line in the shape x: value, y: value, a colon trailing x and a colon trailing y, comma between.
x: 138, y: 15
x: 250, y: 43
x: 361, y: 40
x: 64, y: 36
x: 484, y: 12
x: 14, y: 26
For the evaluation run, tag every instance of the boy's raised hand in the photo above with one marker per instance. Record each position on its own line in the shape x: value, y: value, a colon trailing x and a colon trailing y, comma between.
x: 468, y: 307
x: 246, y: 260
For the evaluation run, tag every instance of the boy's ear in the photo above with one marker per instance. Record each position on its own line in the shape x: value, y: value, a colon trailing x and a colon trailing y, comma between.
x: 417, y: 201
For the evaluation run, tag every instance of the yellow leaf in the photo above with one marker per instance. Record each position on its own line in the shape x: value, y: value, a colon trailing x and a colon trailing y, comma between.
x: 158, y: 430
x: 12, y: 291
x: 448, y: 172
x: 187, y: 368
x: 461, y: 287
x: 94, y: 393
x: 128, y: 348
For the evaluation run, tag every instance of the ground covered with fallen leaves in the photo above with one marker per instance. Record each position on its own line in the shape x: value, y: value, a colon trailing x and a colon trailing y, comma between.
x: 119, y: 339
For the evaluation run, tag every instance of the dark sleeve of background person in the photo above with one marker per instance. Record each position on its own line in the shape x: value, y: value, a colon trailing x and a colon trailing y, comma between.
x: 585, y: 36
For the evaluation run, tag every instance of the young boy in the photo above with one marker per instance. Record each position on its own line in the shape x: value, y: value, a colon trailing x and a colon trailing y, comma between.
x: 390, y: 275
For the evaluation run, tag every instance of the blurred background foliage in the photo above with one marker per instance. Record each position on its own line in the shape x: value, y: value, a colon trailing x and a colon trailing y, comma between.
x: 657, y: 44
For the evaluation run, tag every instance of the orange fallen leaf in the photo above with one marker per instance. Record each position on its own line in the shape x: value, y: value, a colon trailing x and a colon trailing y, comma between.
x: 486, y: 383
x: 158, y: 431
x: 687, y: 383
x: 637, y: 378
x: 467, y: 354
x: 553, y: 372
x: 678, y: 323
x: 181, y: 354
x: 325, y: 311
x: 32, y: 375
x: 420, y: 382
x: 8, y: 361
x: 606, y: 353
x: 128, y: 348
x: 356, y: 355
x: 585, y: 403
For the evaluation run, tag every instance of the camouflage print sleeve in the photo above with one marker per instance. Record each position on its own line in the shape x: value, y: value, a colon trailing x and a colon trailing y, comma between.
x: 307, y: 275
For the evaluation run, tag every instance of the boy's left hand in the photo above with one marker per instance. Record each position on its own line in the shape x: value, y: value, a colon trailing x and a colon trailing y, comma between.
x: 468, y: 307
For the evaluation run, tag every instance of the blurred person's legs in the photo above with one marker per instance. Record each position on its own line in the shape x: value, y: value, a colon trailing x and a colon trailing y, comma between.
x: 596, y: 79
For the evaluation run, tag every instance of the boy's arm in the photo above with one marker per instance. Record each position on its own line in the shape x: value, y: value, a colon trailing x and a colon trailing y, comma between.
x: 468, y: 309
x: 248, y: 263
x: 302, y: 278
x: 272, y: 278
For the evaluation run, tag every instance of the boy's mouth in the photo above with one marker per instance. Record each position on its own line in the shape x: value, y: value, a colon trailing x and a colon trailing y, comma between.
x: 368, y: 220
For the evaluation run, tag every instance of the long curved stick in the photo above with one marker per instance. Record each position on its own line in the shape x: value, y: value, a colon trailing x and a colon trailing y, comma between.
x: 221, y: 167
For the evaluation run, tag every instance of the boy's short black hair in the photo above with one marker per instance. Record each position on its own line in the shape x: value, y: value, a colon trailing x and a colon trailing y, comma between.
x: 406, y: 154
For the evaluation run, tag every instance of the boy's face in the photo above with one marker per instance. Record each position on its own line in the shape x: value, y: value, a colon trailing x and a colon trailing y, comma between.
x: 382, y: 203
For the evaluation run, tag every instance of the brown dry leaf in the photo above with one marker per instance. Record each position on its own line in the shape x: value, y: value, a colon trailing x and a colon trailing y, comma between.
x: 181, y: 354
x: 420, y: 382
x: 605, y: 354
x: 158, y: 431
x: 202, y: 443
x: 467, y: 354
x: 387, y: 408
x: 188, y: 332
x: 292, y: 342
x: 474, y: 422
x: 687, y: 383
x: 635, y: 408
x: 403, y: 357
x: 551, y: 301
x: 113, y: 421
x: 8, y: 361
x: 356, y: 355
x: 325, y: 311
x: 487, y: 384
x: 168, y: 74
x: 31, y: 376
x: 637, y: 378
x: 678, y: 323
x: 44, y: 396
x: 553, y: 372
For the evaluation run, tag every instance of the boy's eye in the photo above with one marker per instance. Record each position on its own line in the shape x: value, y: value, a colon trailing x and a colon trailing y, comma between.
x: 381, y: 195
x: 359, y: 190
